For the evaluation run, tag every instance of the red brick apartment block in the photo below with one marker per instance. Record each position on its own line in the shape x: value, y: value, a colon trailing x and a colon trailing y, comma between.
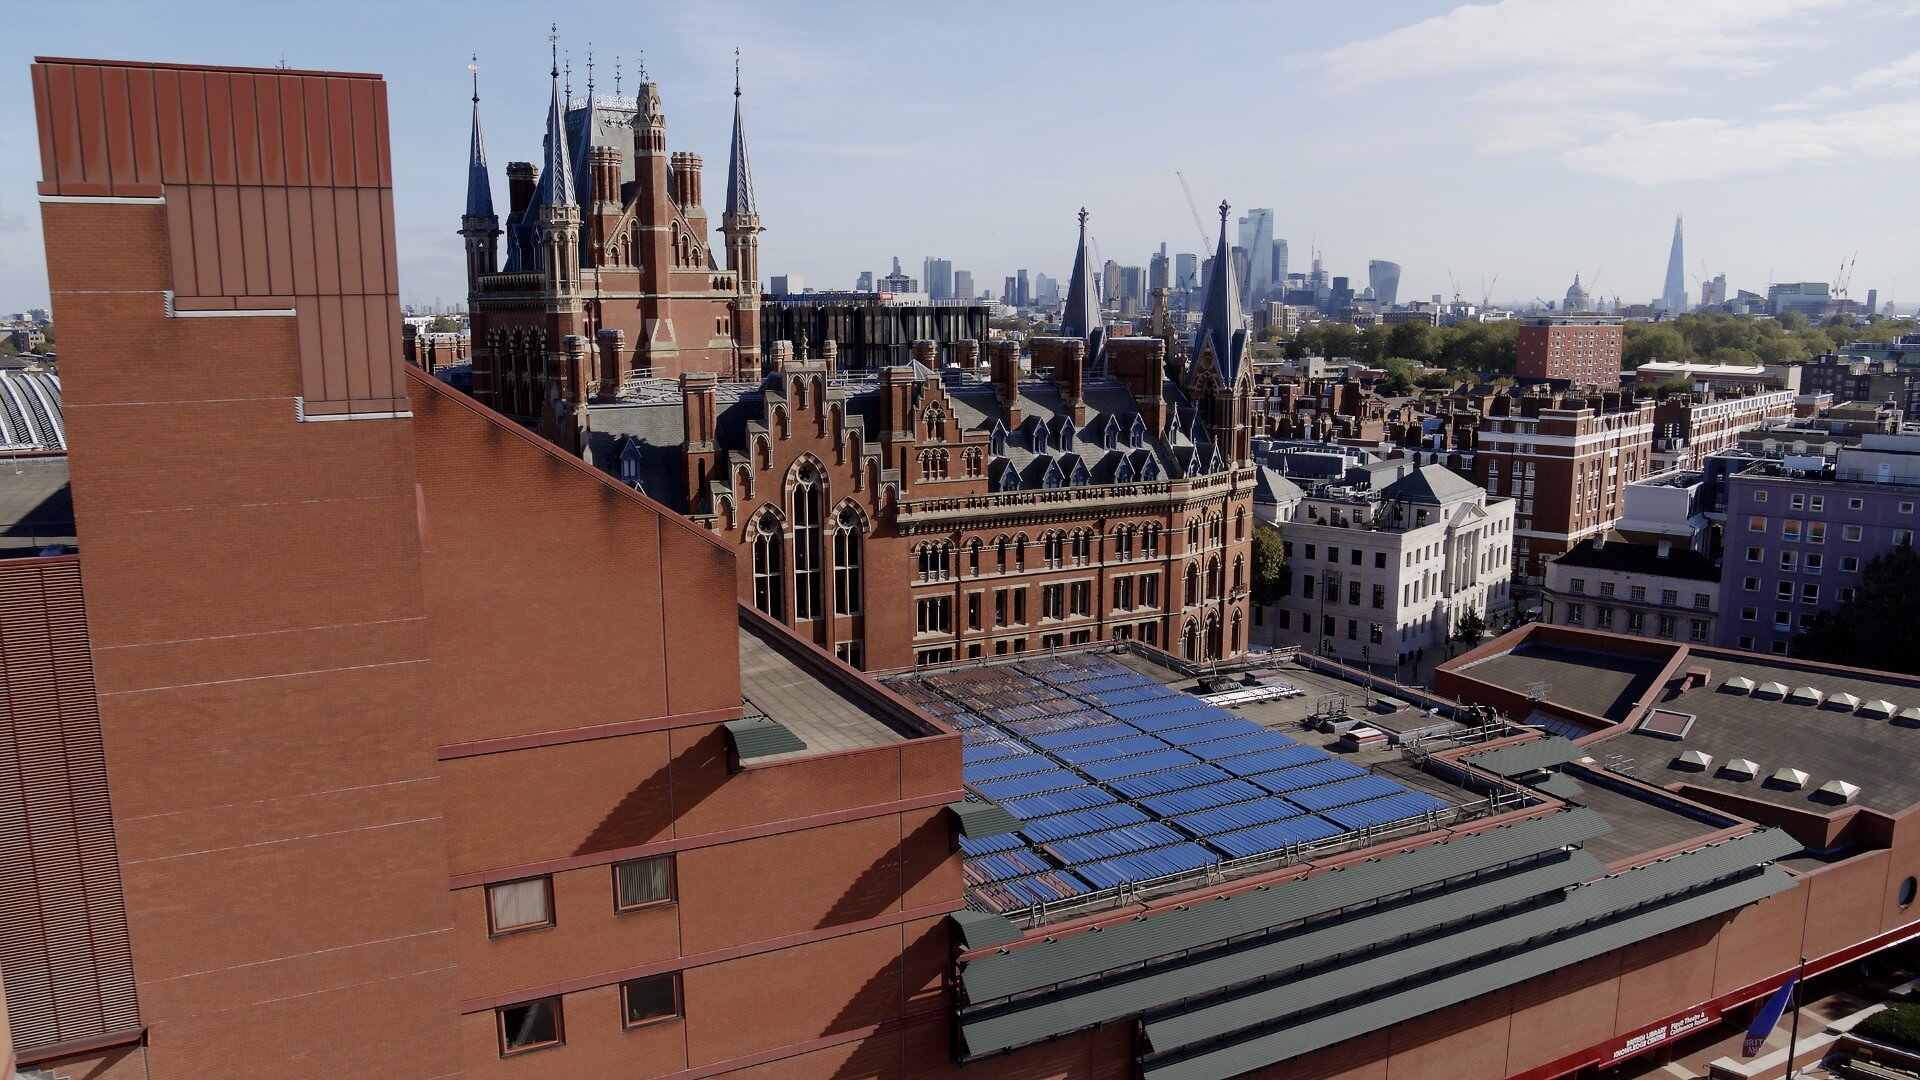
x: 1581, y: 349
x: 359, y: 658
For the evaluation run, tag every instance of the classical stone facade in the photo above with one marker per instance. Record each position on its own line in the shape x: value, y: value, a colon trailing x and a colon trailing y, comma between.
x: 607, y: 272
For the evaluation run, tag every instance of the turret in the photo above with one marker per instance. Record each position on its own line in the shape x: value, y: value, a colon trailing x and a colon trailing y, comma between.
x: 740, y: 224
x: 556, y: 213
x: 655, y: 212
x: 479, y: 225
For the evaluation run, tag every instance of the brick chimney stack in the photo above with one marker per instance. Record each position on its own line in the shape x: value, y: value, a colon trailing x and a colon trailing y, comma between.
x: 966, y: 352
x: 1004, y: 356
x: 519, y: 186
x: 1068, y: 359
x: 699, y: 415
x: 613, y: 346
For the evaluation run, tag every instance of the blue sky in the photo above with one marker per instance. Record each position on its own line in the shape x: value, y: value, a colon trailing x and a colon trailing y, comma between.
x: 1524, y: 138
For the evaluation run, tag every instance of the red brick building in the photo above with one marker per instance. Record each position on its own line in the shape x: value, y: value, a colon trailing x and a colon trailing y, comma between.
x: 607, y: 270
x: 918, y: 516
x: 1583, y: 350
x: 294, y: 719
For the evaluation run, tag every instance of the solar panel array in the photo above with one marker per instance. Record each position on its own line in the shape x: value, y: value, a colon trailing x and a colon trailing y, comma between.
x: 1117, y: 779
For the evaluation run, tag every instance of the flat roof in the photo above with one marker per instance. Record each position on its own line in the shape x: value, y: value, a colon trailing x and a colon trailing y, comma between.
x: 1826, y: 743
x: 36, y: 505
x: 1124, y: 778
x: 1640, y: 823
x: 1604, y: 684
x: 827, y: 717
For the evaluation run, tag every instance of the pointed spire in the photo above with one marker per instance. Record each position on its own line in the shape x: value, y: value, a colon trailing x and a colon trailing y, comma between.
x: 616, y: 76
x: 739, y: 175
x: 589, y: 69
x: 1081, y: 319
x: 556, y: 173
x: 479, y: 187
x: 1221, y: 323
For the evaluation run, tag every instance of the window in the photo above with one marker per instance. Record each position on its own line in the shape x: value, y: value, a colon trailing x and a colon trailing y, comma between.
x: 1790, y: 529
x: 934, y: 562
x: 1749, y: 614
x: 640, y: 883
x: 1080, y: 598
x: 1353, y: 593
x: 1760, y: 496
x: 1751, y: 584
x: 1846, y: 594
x: 1637, y: 593
x: 1851, y: 533
x: 767, y: 588
x: 846, y: 565
x: 1754, y: 554
x: 1789, y: 561
x: 1354, y: 556
x: 1310, y: 549
x: 935, y: 615
x: 849, y: 652
x: 1053, y: 601
x: 513, y: 906
x: 1813, y: 562
x: 1150, y: 541
x: 1809, y: 593
x: 1123, y: 545
x: 1903, y: 538
x: 1746, y: 641
x: 945, y: 655
x: 1122, y: 593
x: 1576, y: 614
x: 650, y: 1000
x: 808, y: 574
x: 1635, y: 622
x: 1906, y: 508
x: 1667, y: 624
x: 1783, y: 590
x: 1606, y: 588
x: 1020, y: 608
x: 1855, y: 504
x: 1756, y: 523
x: 1333, y: 554
x: 1053, y: 548
x: 973, y: 611
x: 1379, y: 560
x: 1603, y: 618
x: 1150, y: 590
x: 529, y: 1025
x: 1817, y: 503
x: 1670, y: 597
x: 1580, y: 585
x: 1082, y: 548
x: 1700, y: 601
x: 1850, y: 563
x: 1379, y: 596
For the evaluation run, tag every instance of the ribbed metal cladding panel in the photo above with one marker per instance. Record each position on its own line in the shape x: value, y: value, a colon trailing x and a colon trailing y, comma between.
x: 1039, y: 1018
x: 1272, y: 1046
x: 1526, y: 757
x: 979, y: 820
x: 1595, y: 901
x: 1169, y: 932
x: 63, y: 945
x: 761, y: 738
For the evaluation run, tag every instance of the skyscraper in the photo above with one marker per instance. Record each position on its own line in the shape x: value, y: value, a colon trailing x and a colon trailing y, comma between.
x: 1157, y: 269
x: 865, y: 282
x: 1021, y: 296
x: 1010, y: 293
x: 1186, y: 271
x: 1673, y: 298
x: 963, y: 285
x: 1385, y: 278
x: 1279, y: 262
x: 938, y: 275
x: 1256, y: 236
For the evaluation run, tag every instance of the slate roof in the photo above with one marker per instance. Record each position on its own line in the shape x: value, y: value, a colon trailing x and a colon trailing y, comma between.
x: 1641, y: 559
x: 1434, y: 485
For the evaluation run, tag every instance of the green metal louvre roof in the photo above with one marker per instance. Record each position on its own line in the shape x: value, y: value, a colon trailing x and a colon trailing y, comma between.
x: 1526, y: 757
x: 979, y: 820
x: 983, y: 929
x: 760, y: 737
x: 1207, y: 921
x: 1600, y: 900
x: 1032, y: 1019
x: 1561, y: 786
x: 1274, y: 1046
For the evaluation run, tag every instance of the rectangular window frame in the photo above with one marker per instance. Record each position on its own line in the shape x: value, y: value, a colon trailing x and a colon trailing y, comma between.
x: 627, y: 1023
x: 673, y: 885
x: 559, y: 1026
x: 495, y: 930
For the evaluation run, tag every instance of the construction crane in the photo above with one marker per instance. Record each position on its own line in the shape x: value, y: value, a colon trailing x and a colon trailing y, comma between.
x: 1198, y: 225
x: 1844, y: 276
x: 1486, y: 291
x: 1456, y: 287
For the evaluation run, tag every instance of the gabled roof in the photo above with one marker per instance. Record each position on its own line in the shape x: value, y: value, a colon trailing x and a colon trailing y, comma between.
x: 1431, y: 484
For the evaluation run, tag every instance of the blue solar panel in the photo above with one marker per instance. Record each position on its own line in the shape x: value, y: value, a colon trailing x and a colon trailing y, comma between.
x: 1145, y: 865
x: 1041, y: 888
x: 1201, y: 798
x: 1294, y: 779
x: 1407, y: 804
x: 1272, y: 760
x: 1238, y: 816
x: 1076, y: 736
x: 1137, y: 765
x: 1057, y: 802
x: 1135, y: 787
x: 998, y: 867
x: 1081, y: 822
x: 1111, y: 682
x: 1211, y: 730
x: 1215, y: 749
x: 1019, y: 764
x: 1275, y: 837
x: 988, y: 749
x: 988, y: 845
x: 1188, y: 716
x: 1022, y: 786
x: 1345, y: 793
x: 1131, y: 695
x: 1114, y: 842
x: 1154, y: 707
x: 1138, y: 744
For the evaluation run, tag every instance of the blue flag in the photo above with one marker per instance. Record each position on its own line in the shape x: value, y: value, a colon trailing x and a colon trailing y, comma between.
x: 1763, y: 1024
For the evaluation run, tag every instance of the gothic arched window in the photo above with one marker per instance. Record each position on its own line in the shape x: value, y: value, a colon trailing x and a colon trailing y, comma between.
x: 767, y: 585
x: 846, y: 564
x: 808, y: 572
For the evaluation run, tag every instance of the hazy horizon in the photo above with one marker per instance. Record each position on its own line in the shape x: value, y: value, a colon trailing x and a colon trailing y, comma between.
x: 1514, y: 144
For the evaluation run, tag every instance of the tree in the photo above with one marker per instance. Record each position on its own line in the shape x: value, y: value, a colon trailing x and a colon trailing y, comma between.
x: 1413, y: 340
x: 1864, y: 631
x: 445, y: 324
x: 1470, y: 629
x: 1401, y: 375
x: 1269, y: 567
x: 1653, y: 341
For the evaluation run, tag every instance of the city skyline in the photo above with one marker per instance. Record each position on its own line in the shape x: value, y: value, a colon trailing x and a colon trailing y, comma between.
x: 1800, y: 105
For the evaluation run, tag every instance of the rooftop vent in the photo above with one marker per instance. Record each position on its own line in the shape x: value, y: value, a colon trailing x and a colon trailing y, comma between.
x: 1878, y: 709
x: 1806, y: 695
x: 1908, y: 717
x: 1739, y: 684
x: 1843, y: 702
x: 1837, y: 791
x: 1741, y: 769
x: 1694, y: 761
x: 1791, y: 779
x: 1770, y: 689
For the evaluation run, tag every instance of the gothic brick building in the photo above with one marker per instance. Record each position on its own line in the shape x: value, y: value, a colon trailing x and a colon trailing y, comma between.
x: 921, y: 514
x: 608, y: 271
